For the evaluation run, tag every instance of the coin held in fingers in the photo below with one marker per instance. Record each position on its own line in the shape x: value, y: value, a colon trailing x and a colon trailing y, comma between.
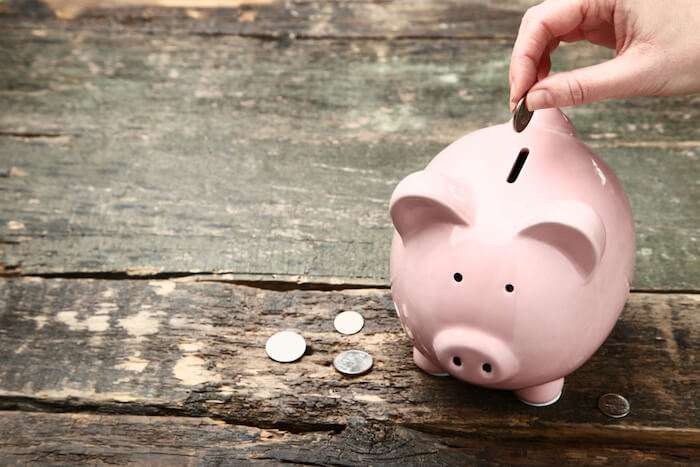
x: 521, y: 116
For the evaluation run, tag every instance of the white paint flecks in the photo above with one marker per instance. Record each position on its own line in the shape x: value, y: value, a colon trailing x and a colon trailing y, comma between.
x: 191, y: 370
x: 191, y: 346
x: 368, y: 398
x: 69, y: 318
x: 140, y: 324
x: 163, y: 288
x: 92, y: 323
x: 105, y: 308
x: 97, y: 323
x: 133, y: 364
x: 40, y: 321
x: 178, y: 322
x: 142, y: 271
x: 109, y: 293
x: 449, y: 78
x: 15, y: 225
x: 17, y: 172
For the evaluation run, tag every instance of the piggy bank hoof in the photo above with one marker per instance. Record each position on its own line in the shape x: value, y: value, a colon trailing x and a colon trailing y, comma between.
x: 426, y: 365
x: 541, y: 395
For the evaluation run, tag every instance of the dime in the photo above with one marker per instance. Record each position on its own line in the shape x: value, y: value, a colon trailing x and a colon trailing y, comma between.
x: 521, y: 116
x: 285, y: 346
x: 353, y: 362
x: 613, y: 405
x: 348, y: 322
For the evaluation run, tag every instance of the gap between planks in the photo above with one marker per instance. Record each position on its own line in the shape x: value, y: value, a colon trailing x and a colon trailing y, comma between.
x: 276, y: 285
x: 266, y: 36
x: 589, y: 435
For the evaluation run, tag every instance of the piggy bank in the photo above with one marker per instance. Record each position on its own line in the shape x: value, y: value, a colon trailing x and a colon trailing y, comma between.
x: 512, y: 257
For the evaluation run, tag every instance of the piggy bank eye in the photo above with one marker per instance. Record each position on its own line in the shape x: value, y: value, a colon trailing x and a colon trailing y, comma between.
x: 457, y: 277
x: 509, y: 288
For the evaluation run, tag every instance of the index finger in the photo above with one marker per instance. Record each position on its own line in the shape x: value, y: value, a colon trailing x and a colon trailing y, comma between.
x: 540, y: 26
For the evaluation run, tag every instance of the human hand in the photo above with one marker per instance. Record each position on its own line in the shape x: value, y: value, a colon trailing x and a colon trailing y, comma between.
x: 657, y: 48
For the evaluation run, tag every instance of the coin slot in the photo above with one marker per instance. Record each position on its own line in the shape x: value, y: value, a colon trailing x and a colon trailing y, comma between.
x: 457, y: 361
x: 486, y: 367
x: 518, y: 165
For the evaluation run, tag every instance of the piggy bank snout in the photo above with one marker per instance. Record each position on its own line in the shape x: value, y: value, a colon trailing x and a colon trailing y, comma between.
x: 475, y: 356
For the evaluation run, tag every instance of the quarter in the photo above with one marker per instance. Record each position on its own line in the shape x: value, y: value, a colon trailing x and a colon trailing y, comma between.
x: 521, y: 116
x: 353, y: 362
x: 613, y: 405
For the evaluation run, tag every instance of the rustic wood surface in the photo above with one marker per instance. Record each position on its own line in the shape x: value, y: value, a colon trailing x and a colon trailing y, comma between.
x: 264, y: 160
x: 123, y: 439
x: 274, y: 19
x: 179, y: 180
x: 189, y: 348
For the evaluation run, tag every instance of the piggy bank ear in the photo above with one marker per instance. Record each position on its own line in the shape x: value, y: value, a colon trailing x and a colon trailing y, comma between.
x: 571, y: 227
x: 424, y: 199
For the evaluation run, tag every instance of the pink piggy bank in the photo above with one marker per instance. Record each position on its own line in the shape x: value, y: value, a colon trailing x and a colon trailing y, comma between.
x: 512, y: 258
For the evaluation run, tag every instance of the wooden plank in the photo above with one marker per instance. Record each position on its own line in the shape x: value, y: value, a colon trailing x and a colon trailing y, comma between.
x: 197, y: 349
x: 279, y: 19
x: 132, y: 153
x: 28, y: 438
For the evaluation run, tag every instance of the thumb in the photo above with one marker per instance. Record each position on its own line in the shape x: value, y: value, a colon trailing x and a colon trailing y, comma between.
x: 622, y: 76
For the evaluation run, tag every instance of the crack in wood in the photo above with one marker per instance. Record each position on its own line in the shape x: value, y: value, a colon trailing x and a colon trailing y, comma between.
x: 590, y: 435
x: 282, y: 36
x: 211, y: 277
x: 262, y: 284
x: 71, y: 405
x: 27, y: 437
x: 35, y: 134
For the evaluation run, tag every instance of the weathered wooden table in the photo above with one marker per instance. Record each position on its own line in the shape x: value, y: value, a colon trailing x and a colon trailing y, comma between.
x: 177, y: 183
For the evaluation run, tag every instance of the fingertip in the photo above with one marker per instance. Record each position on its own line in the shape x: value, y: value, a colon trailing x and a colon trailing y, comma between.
x: 539, y: 99
x: 513, y: 100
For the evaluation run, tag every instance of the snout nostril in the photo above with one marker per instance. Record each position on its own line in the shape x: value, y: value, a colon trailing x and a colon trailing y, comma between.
x: 457, y: 361
x: 486, y: 367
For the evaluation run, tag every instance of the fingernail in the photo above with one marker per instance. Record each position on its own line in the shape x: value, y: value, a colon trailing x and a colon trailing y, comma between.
x: 538, y: 99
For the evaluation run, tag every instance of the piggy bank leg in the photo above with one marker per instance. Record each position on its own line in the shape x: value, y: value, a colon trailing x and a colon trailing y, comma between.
x: 426, y: 365
x: 541, y: 395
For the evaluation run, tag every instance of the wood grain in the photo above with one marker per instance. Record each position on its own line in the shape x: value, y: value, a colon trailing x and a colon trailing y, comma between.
x: 200, y: 141
x: 30, y: 438
x: 134, y: 154
x: 197, y: 349
x: 274, y: 19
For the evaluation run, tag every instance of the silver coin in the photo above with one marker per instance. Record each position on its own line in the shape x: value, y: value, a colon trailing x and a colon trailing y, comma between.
x: 285, y: 346
x: 353, y: 362
x: 348, y: 322
x: 521, y: 116
x: 613, y: 405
